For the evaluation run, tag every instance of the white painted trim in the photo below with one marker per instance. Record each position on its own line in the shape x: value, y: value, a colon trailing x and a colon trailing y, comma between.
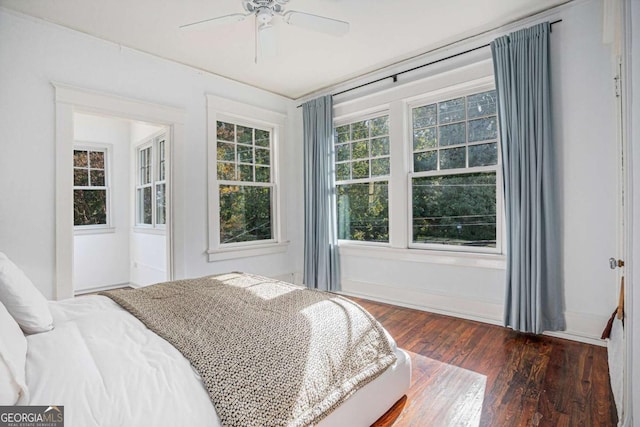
x: 449, y: 305
x: 581, y: 327
x: 629, y: 38
x: 84, y: 230
x: 110, y: 226
x: 460, y: 259
x: 246, y: 251
x: 64, y: 201
x: 150, y: 230
x: 397, y: 102
x: 70, y: 99
x: 100, y: 288
x: 152, y: 141
x: 91, y: 101
x: 256, y: 117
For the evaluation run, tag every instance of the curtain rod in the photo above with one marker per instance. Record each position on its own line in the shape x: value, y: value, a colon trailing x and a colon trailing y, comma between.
x: 395, y: 75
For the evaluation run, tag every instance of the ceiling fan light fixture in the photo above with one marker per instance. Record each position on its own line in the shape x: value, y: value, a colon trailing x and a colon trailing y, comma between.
x: 264, y: 15
x: 264, y: 11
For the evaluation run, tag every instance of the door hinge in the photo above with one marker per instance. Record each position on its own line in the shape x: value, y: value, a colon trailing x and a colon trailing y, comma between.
x: 617, y: 85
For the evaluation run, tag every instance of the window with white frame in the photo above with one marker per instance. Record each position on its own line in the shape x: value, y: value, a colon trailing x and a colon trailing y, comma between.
x: 151, y: 183
x: 90, y: 187
x: 454, y: 180
x: 246, y: 186
x: 362, y: 169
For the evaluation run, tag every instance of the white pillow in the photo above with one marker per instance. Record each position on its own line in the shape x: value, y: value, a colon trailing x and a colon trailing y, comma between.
x: 21, y: 298
x: 13, y: 359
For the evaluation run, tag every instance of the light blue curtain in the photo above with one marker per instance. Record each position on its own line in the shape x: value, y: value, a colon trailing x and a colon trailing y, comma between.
x: 534, y: 291
x: 321, y: 270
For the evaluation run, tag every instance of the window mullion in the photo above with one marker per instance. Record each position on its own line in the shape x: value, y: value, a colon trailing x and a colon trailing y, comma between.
x: 398, y: 195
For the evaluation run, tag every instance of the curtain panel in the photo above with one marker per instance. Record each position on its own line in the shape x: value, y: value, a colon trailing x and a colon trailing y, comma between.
x: 534, y: 291
x: 321, y: 270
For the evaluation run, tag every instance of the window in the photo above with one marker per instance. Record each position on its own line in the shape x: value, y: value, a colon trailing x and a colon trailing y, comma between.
x: 245, y: 183
x: 453, y: 186
x: 151, y: 183
x: 244, y: 191
x: 90, y: 188
x: 418, y: 171
x: 362, y: 169
x: 160, y: 184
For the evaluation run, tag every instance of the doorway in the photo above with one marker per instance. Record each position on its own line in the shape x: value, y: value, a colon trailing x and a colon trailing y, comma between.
x: 73, y: 106
x: 120, y: 204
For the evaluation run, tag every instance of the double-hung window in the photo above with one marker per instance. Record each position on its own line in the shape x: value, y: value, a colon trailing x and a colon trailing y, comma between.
x: 151, y: 183
x: 245, y: 183
x: 454, y: 179
x: 362, y: 169
x: 423, y: 172
x: 90, y: 187
x: 244, y: 145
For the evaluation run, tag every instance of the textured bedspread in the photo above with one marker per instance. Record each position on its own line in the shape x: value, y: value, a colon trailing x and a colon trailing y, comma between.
x: 269, y: 353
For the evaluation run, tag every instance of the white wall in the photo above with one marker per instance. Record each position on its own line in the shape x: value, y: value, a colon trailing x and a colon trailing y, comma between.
x: 33, y: 54
x: 102, y: 259
x: 141, y: 130
x: 40, y: 52
x: 148, y: 258
x: 584, y: 119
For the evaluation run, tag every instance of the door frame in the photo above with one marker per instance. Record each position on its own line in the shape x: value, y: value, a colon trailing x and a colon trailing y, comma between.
x: 68, y: 100
x: 628, y: 182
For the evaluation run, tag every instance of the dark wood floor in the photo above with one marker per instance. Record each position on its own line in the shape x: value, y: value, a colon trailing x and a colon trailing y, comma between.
x: 468, y: 373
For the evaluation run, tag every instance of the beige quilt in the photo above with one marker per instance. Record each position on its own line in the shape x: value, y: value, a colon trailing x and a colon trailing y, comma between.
x: 269, y: 353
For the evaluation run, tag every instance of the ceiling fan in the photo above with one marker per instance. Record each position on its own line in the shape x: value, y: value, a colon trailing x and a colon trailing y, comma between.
x: 264, y: 12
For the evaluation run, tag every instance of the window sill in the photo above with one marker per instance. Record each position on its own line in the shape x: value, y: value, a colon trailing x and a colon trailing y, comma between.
x: 86, y: 230
x: 466, y: 259
x: 246, y: 251
x: 150, y: 230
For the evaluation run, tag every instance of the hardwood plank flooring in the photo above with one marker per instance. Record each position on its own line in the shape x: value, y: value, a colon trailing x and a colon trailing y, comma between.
x: 469, y: 373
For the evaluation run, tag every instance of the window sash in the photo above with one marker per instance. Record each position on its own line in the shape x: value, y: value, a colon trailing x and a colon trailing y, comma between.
x: 273, y: 219
x: 457, y: 248
x: 237, y: 163
x: 370, y: 157
x: 438, y: 149
x: 105, y: 188
x: 151, y: 156
x: 399, y: 104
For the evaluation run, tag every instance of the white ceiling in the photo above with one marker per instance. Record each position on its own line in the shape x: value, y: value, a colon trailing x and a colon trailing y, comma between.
x: 382, y: 33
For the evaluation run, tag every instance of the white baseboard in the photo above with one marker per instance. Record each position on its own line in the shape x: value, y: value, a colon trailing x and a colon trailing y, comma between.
x: 582, y: 327
x: 449, y: 305
x: 100, y: 288
x: 293, y: 277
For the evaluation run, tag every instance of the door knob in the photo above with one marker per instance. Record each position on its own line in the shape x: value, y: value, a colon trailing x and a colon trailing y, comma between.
x: 613, y: 263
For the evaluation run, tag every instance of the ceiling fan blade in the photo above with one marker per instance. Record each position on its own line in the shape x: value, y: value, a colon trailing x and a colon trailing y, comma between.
x: 213, y: 22
x: 265, y: 42
x: 317, y: 23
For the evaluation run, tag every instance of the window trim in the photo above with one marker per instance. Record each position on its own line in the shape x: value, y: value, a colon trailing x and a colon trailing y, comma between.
x: 226, y: 110
x: 151, y: 141
x: 433, y: 98
x: 108, y: 227
x: 472, y: 78
x: 369, y: 114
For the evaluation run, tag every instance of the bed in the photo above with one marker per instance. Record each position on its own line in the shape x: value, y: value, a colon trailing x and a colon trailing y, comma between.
x: 108, y: 369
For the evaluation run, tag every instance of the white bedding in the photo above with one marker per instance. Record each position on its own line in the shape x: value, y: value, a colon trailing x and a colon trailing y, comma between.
x: 108, y: 369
